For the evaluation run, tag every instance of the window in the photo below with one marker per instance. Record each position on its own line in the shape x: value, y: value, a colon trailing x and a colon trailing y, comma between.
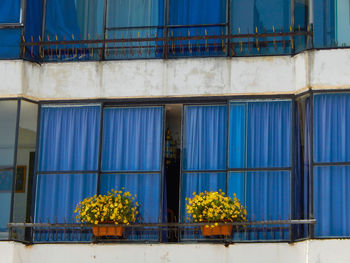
x: 8, y: 120
x: 243, y: 148
x: 69, y: 168
x: 132, y: 158
x: 331, y: 156
x: 67, y: 162
x: 10, y: 37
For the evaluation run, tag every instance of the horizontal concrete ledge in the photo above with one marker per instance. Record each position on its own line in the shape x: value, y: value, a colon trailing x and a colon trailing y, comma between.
x: 318, y: 69
x: 310, y: 251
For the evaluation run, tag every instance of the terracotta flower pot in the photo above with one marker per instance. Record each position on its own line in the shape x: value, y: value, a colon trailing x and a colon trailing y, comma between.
x: 216, y: 230
x: 99, y: 231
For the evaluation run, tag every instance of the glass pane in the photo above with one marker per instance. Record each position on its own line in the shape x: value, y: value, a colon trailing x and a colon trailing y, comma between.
x: 204, y: 146
x: 147, y: 187
x: 199, y: 182
x: 69, y: 138
x: 331, y: 201
x: 269, y: 134
x: 56, y: 198
x: 260, y: 134
x: 25, y: 166
x: 237, y: 185
x: 342, y: 25
x: 324, y: 23
x: 332, y: 128
x: 136, y: 13
x: 8, y: 118
x: 194, y: 12
x: 262, y: 16
x: 9, y: 11
x: 5, y: 201
x: 266, y: 195
x: 237, y: 136
x: 134, y: 49
x: 132, y: 139
x: 58, y: 194
x: 9, y: 44
x: 74, y: 19
x: 301, y: 22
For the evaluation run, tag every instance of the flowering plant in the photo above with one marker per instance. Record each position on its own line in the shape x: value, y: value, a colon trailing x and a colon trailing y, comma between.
x: 116, y: 207
x: 215, y: 207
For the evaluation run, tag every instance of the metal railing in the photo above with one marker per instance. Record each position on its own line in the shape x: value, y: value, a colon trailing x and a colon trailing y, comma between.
x: 167, y: 42
x: 257, y: 231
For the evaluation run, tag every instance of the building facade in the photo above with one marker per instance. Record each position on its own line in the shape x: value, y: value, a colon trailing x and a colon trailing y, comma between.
x: 167, y: 98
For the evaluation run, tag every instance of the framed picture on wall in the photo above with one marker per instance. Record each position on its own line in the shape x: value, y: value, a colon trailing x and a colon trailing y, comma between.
x: 21, y: 179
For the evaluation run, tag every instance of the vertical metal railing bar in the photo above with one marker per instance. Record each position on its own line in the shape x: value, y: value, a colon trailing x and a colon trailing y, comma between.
x: 14, y: 162
x: 105, y: 10
x: 311, y: 184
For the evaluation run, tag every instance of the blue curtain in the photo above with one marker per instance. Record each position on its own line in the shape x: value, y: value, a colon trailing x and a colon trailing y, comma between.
x: 205, y: 138
x: 324, y: 23
x: 260, y: 137
x: 331, y: 201
x: 69, y: 138
x: 132, y: 139
x: 196, y: 12
x: 61, y: 19
x: 136, y: 13
x: 266, y: 196
x: 10, y: 11
x: 9, y: 43
x: 132, y: 142
x: 33, y: 26
x: 237, y: 136
x: 68, y: 141
x: 269, y: 134
x: 147, y: 188
x: 199, y: 182
x: 331, y: 144
x: 332, y: 128
x: 73, y: 20
x: 58, y: 194
x: 260, y: 134
x: 204, y: 148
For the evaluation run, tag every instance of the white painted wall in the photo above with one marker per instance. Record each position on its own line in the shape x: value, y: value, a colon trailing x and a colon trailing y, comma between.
x: 321, y: 69
x: 311, y: 251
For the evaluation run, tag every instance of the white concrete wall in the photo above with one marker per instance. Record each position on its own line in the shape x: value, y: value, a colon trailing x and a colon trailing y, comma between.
x: 325, y: 69
x: 312, y: 251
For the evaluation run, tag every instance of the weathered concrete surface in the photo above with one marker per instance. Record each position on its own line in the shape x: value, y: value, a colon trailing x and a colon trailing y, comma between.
x: 157, y: 253
x: 325, y: 69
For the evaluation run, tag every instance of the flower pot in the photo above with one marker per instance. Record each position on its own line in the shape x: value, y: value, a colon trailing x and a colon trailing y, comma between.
x: 116, y: 231
x: 216, y: 230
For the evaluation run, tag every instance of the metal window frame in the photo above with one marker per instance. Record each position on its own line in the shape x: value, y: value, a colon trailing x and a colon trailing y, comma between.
x: 209, y: 100
x: 228, y: 170
x: 167, y: 25
x: 320, y: 164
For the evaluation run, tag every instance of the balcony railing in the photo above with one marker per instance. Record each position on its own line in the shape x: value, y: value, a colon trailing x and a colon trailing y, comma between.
x: 168, y: 42
x: 257, y: 231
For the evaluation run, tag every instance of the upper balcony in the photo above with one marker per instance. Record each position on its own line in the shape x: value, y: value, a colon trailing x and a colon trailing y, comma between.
x: 48, y: 30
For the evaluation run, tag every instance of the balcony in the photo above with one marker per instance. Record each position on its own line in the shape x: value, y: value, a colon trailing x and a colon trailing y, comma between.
x: 247, y: 232
x: 168, y: 42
